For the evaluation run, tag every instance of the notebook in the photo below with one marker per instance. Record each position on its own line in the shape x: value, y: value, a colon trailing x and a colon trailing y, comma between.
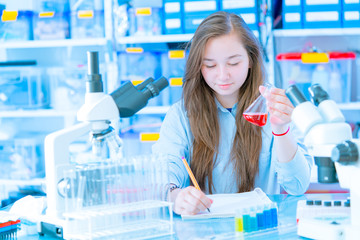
x: 225, y: 205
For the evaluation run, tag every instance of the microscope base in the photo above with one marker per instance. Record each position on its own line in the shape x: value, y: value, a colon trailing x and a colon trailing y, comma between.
x: 327, y: 229
x: 51, y: 227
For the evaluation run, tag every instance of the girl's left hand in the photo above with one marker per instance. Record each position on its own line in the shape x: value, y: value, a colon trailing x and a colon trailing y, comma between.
x: 279, y: 107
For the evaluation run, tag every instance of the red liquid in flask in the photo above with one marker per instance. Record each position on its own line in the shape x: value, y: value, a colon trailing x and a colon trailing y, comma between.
x: 259, y: 119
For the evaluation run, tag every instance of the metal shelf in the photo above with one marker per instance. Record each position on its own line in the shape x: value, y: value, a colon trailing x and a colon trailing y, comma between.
x: 156, y: 39
x: 316, y: 32
x: 36, y: 113
x: 154, y: 110
x: 54, y: 43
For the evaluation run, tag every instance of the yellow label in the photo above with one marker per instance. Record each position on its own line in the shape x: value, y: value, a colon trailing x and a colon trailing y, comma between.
x: 176, y: 54
x: 85, y: 14
x: 149, y: 137
x: 314, y: 58
x: 143, y: 11
x: 9, y: 16
x: 136, y: 82
x: 176, y: 82
x: 46, y: 14
x: 134, y: 50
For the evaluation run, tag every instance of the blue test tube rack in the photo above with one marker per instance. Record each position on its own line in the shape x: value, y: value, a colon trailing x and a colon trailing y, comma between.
x: 256, y: 218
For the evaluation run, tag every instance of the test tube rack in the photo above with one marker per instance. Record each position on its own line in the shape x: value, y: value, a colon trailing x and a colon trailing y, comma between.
x: 9, y: 226
x: 121, y: 200
x: 254, y: 219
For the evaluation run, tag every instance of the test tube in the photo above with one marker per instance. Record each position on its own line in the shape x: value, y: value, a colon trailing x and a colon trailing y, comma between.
x: 267, y: 216
x: 239, y: 227
x: 246, y: 220
x: 260, y: 217
x: 274, y: 215
x: 253, y: 220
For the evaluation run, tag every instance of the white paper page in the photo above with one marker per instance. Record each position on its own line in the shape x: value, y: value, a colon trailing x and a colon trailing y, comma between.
x: 225, y: 205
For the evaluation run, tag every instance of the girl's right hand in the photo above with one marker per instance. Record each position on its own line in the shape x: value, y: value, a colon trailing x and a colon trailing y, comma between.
x: 189, y: 201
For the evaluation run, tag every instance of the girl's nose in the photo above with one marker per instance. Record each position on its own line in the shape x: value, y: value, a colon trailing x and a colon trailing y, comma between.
x: 223, y: 73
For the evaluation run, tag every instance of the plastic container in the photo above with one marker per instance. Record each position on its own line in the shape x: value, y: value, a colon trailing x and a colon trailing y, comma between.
x: 15, y: 25
x: 52, y: 5
x: 22, y: 158
x: 141, y: 133
x: 135, y: 65
x: 145, y: 21
x: 23, y: 88
x: 332, y: 70
x: 51, y: 25
x: 173, y: 68
x: 87, y: 24
x: 67, y: 87
x: 96, y: 5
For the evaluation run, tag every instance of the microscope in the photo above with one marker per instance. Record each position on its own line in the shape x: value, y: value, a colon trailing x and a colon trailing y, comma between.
x: 329, y: 139
x: 96, y: 117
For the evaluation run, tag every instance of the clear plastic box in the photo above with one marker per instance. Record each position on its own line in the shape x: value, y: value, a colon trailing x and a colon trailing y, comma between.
x: 332, y: 70
x: 87, y: 24
x: 51, y: 25
x: 139, y: 66
x: 145, y: 21
x: 22, y: 158
x: 23, y: 88
x: 15, y: 25
x: 140, y: 134
x: 123, y: 199
x: 173, y: 68
x: 67, y: 87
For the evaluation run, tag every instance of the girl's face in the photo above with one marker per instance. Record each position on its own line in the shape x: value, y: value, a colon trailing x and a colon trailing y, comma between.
x: 225, y: 66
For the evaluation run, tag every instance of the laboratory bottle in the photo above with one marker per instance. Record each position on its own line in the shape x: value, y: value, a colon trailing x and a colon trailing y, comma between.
x: 320, y: 76
x: 335, y: 87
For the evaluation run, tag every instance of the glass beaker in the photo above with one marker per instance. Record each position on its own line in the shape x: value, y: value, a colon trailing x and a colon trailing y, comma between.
x: 257, y: 112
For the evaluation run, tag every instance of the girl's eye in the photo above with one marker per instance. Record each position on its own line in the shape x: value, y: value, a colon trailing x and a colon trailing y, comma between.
x: 210, y: 66
x: 233, y: 64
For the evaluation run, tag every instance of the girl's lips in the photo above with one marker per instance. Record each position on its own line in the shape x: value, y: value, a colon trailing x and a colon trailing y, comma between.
x: 224, y: 86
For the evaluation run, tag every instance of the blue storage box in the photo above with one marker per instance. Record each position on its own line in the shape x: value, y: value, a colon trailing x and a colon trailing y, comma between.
x: 173, y: 11
x: 87, y: 24
x: 51, y: 25
x: 23, y: 88
x: 292, y: 5
x: 292, y: 14
x: 322, y: 19
x: 351, y: 13
x: 292, y: 20
x: 195, y: 11
x: 193, y: 21
x: 15, y: 25
x: 249, y: 6
x: 322, y: 5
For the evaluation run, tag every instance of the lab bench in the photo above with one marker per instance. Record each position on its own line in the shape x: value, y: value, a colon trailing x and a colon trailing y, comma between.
x: 225, y: 229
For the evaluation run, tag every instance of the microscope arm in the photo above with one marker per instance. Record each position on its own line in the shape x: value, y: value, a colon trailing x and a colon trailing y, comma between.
x: 57, y: 157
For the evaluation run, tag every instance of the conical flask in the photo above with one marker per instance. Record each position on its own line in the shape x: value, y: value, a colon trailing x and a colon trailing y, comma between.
x: 257, y: 112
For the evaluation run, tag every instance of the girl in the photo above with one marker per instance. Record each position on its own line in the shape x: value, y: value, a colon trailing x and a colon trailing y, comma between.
x: 227, y: 154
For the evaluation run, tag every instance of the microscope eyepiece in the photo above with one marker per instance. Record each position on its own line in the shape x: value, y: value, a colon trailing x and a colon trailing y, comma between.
x: 94, y: 82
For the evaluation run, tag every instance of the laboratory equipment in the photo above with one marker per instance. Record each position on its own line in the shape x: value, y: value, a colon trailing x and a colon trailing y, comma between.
x: 96, y: 116
x: 257, y: 112
x: 327, y: 136
x: 9, y: 226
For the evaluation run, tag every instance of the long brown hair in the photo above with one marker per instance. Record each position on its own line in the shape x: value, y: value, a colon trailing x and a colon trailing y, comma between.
x: 199, y: 101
